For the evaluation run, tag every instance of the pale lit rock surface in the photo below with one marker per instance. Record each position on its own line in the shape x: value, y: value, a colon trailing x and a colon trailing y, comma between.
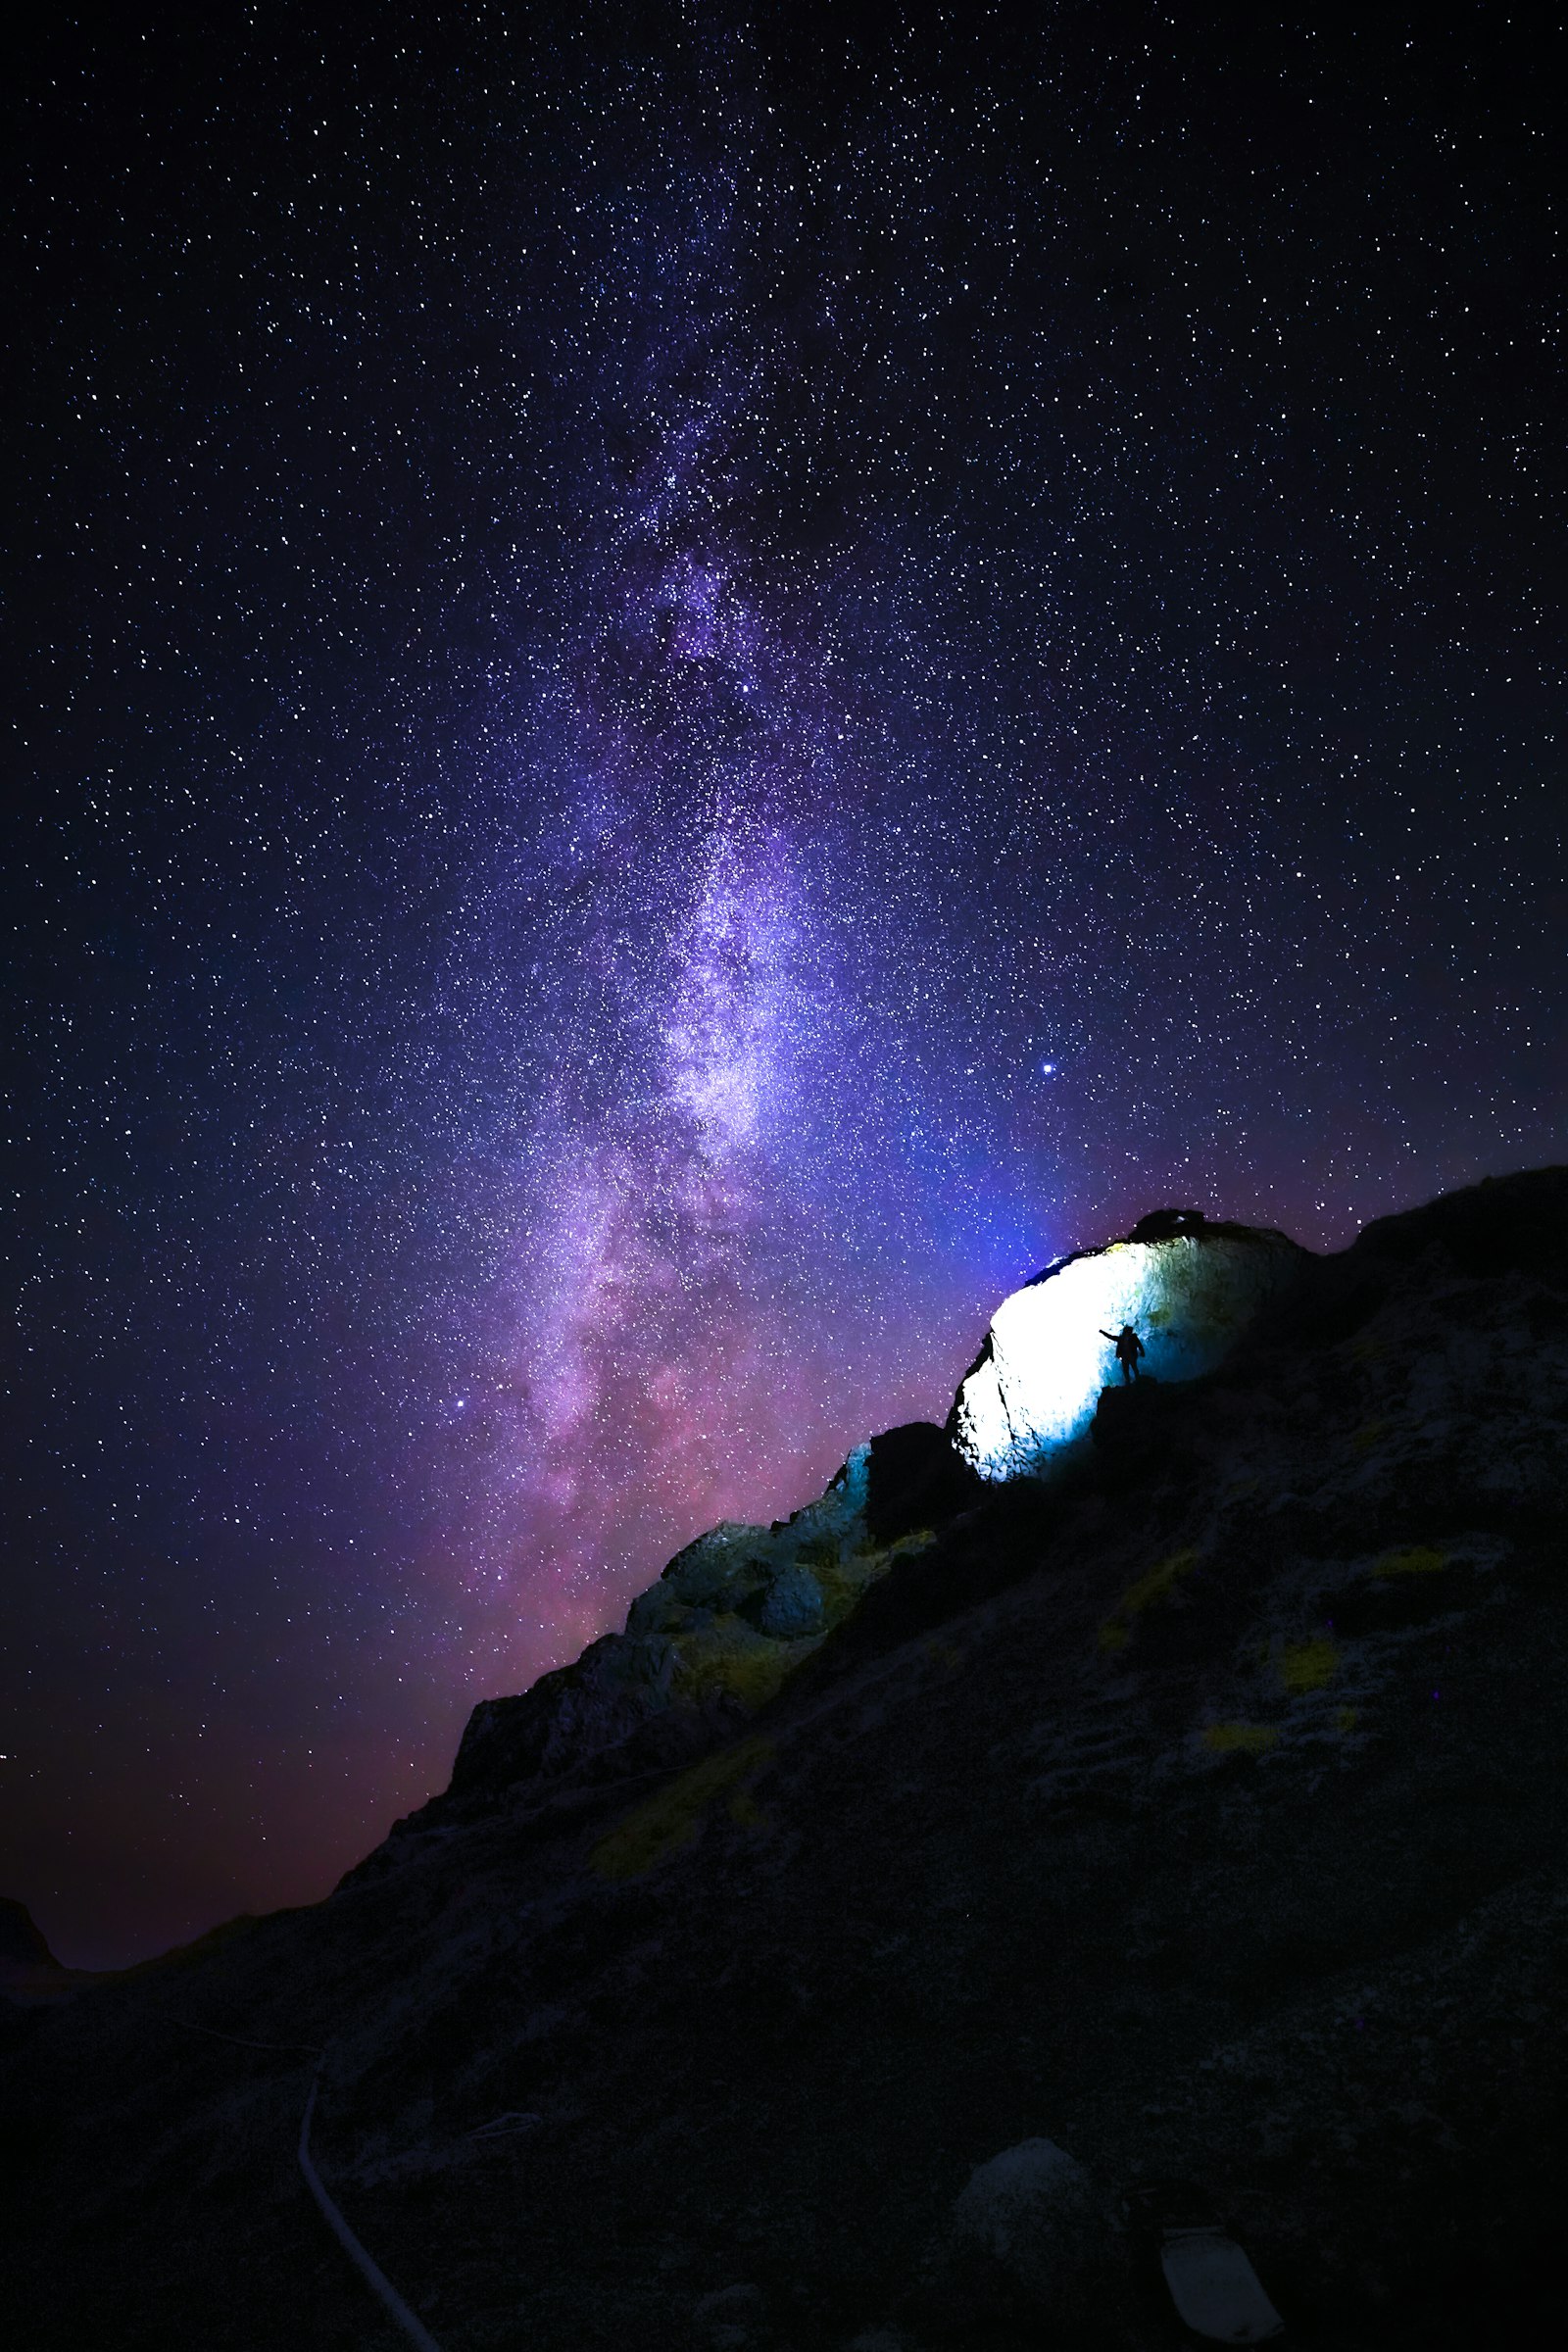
x: 1190, y: 1296
x: 1030, y: 2202
x: 727, y: 1622
x: 1027, y: 2221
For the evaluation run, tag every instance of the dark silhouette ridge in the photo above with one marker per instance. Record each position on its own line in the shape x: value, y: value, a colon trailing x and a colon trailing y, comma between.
x: 23, y: 1943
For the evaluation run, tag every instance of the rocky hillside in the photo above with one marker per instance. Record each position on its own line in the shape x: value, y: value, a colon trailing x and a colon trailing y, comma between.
x: 1196, y: 1809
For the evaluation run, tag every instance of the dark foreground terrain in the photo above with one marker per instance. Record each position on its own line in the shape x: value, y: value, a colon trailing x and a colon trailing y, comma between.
x: 1202, y: 1813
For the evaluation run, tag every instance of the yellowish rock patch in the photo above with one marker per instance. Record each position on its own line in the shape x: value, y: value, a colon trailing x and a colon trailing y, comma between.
x: 1418, y: 1559
x: 1240, y: 1739
x: 1308, y: 1665
x: 672, y: 1818
x: 1156, y: 1586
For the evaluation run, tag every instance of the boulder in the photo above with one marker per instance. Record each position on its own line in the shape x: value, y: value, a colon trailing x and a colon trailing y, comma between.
x: 794, y: 1606
x: 1027, y: 2234
x: 718, y: 1571
x: 915, y: 1479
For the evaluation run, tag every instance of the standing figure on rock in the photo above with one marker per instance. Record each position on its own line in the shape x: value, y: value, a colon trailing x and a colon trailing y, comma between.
x: 1129, y: 1347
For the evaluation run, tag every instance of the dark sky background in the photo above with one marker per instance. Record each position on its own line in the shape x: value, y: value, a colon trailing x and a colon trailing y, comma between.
x: 687, y: 686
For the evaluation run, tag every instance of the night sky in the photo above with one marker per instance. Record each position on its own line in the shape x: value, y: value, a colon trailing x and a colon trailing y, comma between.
x: 686, y: 686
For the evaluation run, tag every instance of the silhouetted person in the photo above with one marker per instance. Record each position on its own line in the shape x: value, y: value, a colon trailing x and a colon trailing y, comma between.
x: 1129, y: 1347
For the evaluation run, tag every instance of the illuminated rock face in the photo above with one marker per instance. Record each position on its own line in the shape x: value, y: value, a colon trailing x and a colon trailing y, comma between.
x: 1189, y: 1294
x: 736, y: 1612
x: 727, y: 1622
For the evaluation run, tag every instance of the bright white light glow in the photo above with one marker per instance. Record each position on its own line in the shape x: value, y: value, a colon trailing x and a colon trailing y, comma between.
x: 1046, y: 1360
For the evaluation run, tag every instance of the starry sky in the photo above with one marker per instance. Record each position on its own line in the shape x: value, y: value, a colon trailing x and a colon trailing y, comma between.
x: 688, y: 684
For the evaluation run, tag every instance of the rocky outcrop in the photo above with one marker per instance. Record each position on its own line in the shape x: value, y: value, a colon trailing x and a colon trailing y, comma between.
x: 729, y: 1620
x: 736, y: 1613
x: 915, y: 1479
x: 1190, y: 1289
x: 598, y: 1704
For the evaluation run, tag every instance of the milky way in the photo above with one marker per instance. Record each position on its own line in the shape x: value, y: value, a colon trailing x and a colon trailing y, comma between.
x: 689, y: 693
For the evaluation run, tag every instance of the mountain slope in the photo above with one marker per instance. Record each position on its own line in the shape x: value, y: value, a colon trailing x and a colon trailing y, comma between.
x: 1200, y: 1810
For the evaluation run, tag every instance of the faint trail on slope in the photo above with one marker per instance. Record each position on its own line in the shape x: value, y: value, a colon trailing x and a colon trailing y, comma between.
x: 375, y: 2277
x: 412, y: 2324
